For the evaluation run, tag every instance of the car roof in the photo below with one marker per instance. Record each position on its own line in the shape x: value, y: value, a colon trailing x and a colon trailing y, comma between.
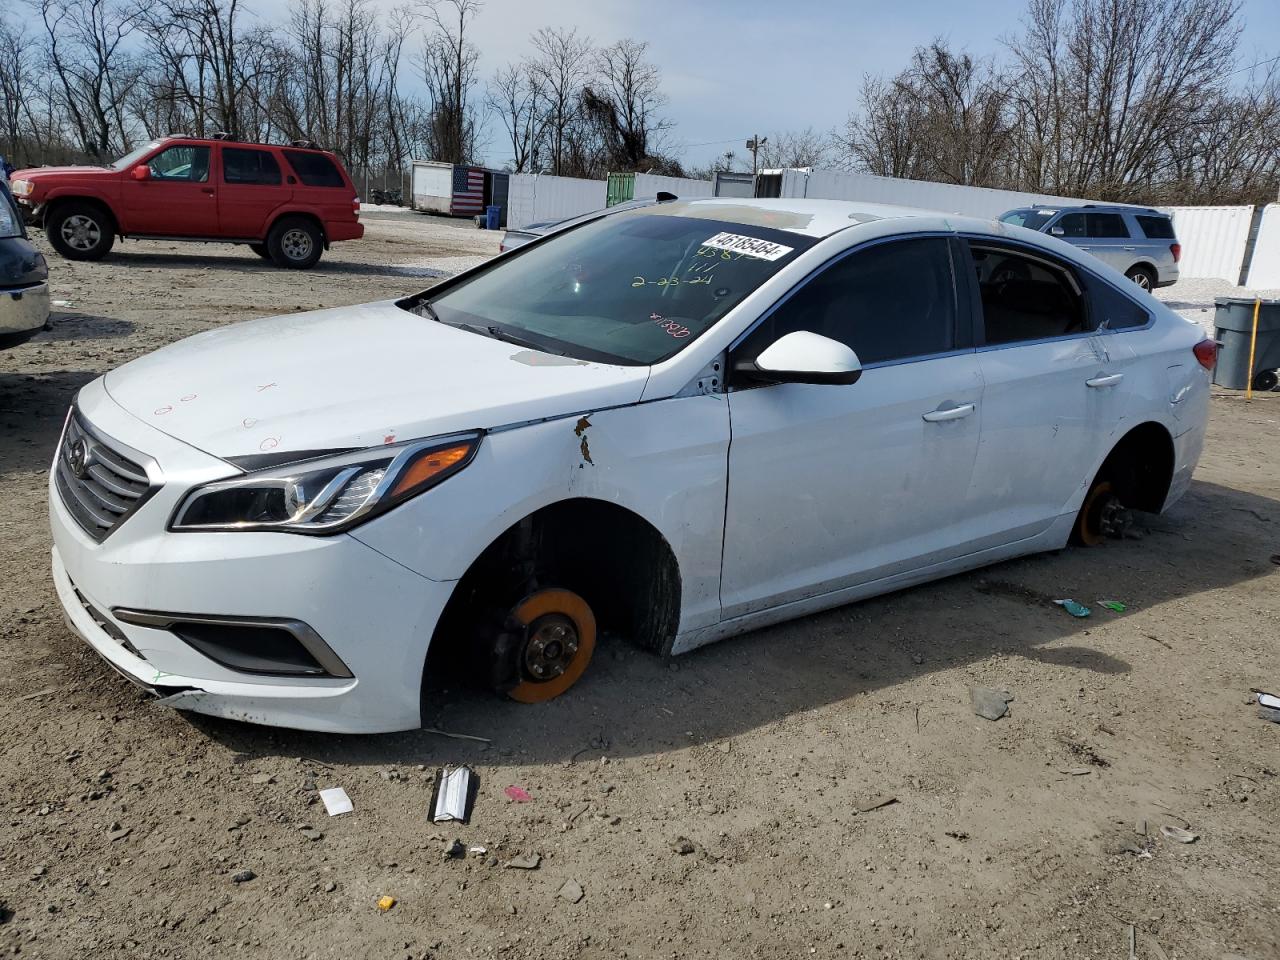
x: 227, y: 142
x: 811, y: 218
x: 1097, y: 207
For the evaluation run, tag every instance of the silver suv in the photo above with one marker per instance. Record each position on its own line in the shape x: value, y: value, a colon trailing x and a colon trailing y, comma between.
x: 1137, y: 241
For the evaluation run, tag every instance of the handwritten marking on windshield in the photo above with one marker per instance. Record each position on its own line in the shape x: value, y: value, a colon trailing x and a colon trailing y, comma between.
x: 670, y: 281
x: 670, y: 326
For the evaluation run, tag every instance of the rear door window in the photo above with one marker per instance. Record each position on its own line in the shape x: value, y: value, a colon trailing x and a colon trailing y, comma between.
x: 314, y: 169
x: 891, y: 301
x: 1027, y: 297
x: 1107, y: 226
x: 1156, y: 228
x: 249, y: 166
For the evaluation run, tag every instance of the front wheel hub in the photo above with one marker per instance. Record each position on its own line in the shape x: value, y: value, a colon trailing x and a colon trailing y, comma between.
x: 551, y: 647
x: 555, y: 635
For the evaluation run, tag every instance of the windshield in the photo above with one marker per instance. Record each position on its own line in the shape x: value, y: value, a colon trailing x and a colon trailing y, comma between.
x: 1031, y: 219
x: 631, y: 288
x: 131, y: 158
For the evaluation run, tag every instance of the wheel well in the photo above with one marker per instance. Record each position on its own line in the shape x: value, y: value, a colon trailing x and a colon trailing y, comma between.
x: 1147, y: 268
x: 309, y: 217
x: 1140, y: 467
x: 58, y: 202
x: 613, y: 558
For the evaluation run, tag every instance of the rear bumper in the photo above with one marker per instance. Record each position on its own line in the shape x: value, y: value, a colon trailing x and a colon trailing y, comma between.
x: 343, y: 230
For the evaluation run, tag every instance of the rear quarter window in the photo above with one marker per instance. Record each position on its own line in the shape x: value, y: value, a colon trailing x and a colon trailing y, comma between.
x: 314, y: 169
x: 1156, y: 228
x: 1112, y: 309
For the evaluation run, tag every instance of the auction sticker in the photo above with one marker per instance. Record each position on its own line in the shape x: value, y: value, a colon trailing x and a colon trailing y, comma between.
x: 748, y: 246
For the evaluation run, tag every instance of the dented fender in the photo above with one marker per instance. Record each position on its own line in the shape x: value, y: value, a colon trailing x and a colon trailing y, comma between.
x: 665, y: 461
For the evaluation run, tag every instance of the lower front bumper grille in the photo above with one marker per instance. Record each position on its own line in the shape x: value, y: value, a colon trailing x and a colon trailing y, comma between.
x: 99, y: 485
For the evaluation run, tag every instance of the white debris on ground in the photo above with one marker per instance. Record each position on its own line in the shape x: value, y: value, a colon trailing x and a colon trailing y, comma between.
x: 1193, y: 298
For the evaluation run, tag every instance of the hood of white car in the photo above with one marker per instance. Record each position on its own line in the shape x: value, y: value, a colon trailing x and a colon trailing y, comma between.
x: 353, y: 377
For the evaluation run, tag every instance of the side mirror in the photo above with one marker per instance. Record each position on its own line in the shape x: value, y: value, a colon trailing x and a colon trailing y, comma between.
x: 803, y: 357
x: 1057, y: 231
x: 141, y: 172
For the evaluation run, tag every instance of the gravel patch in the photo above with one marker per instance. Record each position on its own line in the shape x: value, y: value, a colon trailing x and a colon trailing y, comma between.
x: 1193, y: 298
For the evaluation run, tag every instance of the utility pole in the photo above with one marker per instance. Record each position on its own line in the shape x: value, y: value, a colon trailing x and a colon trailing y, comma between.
x: 754, y: 145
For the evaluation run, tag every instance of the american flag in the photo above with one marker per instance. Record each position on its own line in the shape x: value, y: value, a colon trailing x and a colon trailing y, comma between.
x: 468, y: 191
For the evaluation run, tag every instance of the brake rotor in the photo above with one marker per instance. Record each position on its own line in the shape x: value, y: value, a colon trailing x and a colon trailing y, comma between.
x: 557, y: 636
x: 1103, y: 515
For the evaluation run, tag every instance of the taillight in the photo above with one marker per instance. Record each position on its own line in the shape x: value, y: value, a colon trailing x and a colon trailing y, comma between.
x: 1206, y: 352
x: 1176, y: 250
x: 355, y: 206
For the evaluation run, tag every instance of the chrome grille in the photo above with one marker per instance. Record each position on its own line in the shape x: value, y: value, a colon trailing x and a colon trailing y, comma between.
x: 99, y: 486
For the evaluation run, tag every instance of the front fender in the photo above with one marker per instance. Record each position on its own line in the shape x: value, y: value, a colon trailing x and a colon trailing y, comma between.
x: 665, y: 461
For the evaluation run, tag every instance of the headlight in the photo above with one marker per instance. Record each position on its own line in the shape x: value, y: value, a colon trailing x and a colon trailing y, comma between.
x: 21, y: 188
x: 328, y: 495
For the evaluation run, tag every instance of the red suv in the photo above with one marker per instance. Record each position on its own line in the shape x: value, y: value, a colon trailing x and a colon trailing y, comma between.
x: 286, y: 202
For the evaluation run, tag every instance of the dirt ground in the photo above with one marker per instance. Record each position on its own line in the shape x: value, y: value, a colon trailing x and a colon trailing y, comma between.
x: 1038, y: 835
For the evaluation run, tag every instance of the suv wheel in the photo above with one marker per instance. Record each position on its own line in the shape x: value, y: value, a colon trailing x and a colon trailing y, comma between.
x: 1142, y: 277
x: 261, y: 250
x: 294, y: 243
x: 80, y: 231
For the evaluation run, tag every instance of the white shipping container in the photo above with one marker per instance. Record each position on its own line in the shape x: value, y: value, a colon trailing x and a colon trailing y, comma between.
x: 432, y: 186
x: 538, y: 198
x: 1213, y: 240
x: 1264, y: 271
x: 984, y: 202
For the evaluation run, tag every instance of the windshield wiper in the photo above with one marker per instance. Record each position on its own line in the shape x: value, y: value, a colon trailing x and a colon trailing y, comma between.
x: 499, y: 334
x: 429, y: 311
x: 492, y: 330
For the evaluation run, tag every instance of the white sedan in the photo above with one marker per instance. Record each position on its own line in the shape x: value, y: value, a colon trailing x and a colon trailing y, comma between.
x: 674, y: 424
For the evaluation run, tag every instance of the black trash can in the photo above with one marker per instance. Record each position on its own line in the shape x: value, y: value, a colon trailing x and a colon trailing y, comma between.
x: 1233, y: 320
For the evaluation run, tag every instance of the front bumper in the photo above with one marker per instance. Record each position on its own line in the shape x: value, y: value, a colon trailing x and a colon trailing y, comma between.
x: 375, y: 614
x: 24, y: 312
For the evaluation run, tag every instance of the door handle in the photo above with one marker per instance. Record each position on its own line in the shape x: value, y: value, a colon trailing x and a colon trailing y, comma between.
x: 1131, y: 248
x: 950, y: 413
x: 1109, y: 380
x: 208, y: 190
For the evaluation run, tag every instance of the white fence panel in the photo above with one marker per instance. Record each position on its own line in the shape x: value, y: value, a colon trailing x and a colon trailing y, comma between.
x: 649, y: 184
x: 432, y: 186
x: 1213, y: 240
x: 947, y: 197
x: 1264, y: 270
x: 533, y: 198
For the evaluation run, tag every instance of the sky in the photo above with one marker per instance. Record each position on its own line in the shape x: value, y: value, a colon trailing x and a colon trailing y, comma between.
x: 733, y: 68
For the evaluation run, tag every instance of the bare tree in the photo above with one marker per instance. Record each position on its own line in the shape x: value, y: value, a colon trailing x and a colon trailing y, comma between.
x: 622, y: 101
x: 794, y: 148
x: 21, y: 136
x: 448, y: 62
x: 945, y: 117
x: 562, y: 63
x: 1104, y: 83
x: 515, y: 96
x: 86, y: 51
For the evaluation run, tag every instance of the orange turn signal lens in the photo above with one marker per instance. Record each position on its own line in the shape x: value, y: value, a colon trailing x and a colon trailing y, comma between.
x: 430, y: 465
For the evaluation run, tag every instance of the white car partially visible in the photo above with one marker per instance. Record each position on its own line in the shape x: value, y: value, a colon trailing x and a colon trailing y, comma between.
x: 673, y: 423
